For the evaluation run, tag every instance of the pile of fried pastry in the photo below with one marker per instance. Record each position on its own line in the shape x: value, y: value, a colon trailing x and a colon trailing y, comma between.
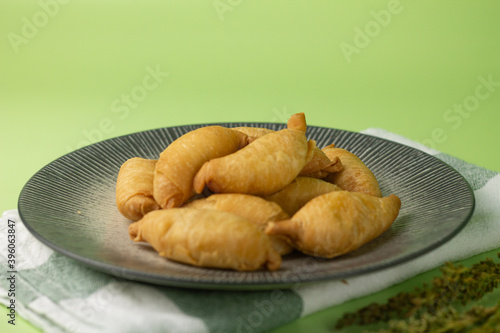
x: 241, y: 198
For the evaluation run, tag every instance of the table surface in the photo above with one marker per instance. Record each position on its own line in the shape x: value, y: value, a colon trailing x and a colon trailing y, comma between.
x: 76, y: 72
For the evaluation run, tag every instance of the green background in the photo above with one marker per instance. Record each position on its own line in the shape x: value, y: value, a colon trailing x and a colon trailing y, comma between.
x: 66, y: 69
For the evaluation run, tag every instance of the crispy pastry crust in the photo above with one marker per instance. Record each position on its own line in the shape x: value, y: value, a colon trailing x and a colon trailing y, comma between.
x: 182, y: 159
x: 206, y: 238
x: 134, y: 188
x: 252, y: 208
x: 355, y: 176
x: 336, y: 223
x: 303, y: 189
x: 261, y: 168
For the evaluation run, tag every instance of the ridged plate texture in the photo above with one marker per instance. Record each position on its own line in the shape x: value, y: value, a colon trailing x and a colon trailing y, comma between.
x: 70, y: 206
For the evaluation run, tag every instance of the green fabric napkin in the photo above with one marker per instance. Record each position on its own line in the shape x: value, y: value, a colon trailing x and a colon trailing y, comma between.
x: 58, y: 294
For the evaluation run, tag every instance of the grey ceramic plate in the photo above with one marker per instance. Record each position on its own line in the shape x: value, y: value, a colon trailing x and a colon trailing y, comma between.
x: 70, y: 206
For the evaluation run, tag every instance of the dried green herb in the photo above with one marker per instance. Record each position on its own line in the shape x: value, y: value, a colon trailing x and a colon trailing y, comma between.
x: 457, y: 284
x: 477, y: 319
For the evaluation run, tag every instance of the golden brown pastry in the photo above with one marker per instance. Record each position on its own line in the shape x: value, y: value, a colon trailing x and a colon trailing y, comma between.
x: 297, y: 122
x: 336, y: 223
x: 181, y: 160
x: 252, y: 208
x: 295, y: 195
x: 253, y: 132
x: 320, y: 165
x: 263, y: 167
x: 355, y: 176
x: 134, y: 188
x: 206, y: 238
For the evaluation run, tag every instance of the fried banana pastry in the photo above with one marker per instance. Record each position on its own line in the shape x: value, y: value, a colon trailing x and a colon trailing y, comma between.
x: 355, y: 176
x: 134, y: 188
x: 336, y: 223
x: 181, y: 160
x: 300, y: 191
x: 206, y: 238
x: 250, y: 207
x: 261, y: 168
x: 320, y: 165
x: 297, y: 122
x: 253, y: 132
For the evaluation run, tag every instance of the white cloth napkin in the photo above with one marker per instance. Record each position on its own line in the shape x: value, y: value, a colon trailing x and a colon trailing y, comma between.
x: 58, y: 294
